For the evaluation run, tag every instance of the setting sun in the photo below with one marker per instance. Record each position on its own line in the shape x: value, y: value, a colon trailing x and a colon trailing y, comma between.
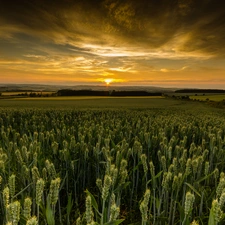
x: 108, y: 81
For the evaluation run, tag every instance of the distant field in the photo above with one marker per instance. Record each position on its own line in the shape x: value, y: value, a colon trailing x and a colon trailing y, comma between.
x: 192, y: 94
x: 60, y: 98
x: 87, y: 102
x: 209, y: 97
x: 23, y: 92
x: 98, y: 103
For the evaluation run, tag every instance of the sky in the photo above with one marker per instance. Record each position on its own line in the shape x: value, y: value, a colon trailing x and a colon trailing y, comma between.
x: 166, y: 43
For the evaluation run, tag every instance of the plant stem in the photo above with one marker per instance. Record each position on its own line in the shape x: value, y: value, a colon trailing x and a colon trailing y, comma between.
x: 103, y: 209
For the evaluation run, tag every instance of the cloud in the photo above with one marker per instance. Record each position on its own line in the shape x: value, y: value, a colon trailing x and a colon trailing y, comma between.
x: 173, y: 70
x: 123, y: 69
x: 112, y: 38
x: 114, y: 23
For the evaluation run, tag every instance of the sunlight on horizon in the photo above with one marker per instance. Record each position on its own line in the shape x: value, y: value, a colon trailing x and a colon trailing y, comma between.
x: 108, y: 81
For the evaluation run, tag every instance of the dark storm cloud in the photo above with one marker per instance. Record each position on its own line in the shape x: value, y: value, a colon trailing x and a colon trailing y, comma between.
x: 187, y: 26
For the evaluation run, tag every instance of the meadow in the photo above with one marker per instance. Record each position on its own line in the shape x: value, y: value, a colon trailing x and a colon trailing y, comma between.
x: 111, y: 161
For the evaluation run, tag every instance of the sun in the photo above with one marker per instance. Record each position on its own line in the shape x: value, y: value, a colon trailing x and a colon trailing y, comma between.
x: 108, y: 81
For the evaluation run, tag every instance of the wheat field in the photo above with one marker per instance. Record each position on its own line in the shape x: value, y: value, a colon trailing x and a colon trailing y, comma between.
x: 159, y: 165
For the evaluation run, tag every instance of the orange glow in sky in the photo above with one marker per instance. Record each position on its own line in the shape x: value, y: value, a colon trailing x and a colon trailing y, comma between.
x: 108, y: 81
x: 152, y: 43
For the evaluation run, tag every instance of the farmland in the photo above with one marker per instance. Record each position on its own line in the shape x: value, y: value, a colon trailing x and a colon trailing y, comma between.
x: 16, y: 93
x: 89, y: 102
x: 215, y: 97
x: 111, y: 161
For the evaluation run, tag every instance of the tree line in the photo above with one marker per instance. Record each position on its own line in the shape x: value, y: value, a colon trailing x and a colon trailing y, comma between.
x: 67, y: 92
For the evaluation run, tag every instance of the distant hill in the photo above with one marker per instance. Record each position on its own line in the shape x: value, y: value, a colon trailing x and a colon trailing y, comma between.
x: 200, y: 91
x: 55, y: 88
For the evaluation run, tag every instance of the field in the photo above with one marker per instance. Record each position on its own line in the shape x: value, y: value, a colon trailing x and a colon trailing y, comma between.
x: 14, y: 93
x: 217, y: 97
x: 111, y: 161
x: 95, y: 103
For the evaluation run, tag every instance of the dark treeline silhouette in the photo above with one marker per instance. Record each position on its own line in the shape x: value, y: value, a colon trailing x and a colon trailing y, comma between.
x: 67, y: 92
x: 200, y: 91
x: 135, y: 93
